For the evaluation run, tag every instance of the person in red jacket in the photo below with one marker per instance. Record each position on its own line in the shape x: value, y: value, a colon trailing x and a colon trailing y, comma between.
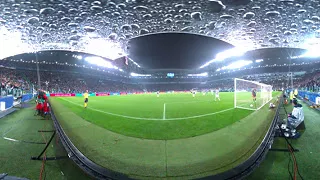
x: 39, y: 102
x: 45, y: 105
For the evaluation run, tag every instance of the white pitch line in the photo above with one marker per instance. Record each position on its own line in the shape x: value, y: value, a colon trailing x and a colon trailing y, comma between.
x: 10, y: 139
x: 151, y: 119
x: 164, y: 111
x: 189, y: 102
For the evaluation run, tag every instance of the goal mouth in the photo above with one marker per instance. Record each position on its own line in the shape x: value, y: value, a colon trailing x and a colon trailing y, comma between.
x: 251, y: 95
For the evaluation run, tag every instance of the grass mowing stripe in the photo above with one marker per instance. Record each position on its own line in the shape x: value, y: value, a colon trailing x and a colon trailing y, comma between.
x: 152, y: 119
x: 164, y: 111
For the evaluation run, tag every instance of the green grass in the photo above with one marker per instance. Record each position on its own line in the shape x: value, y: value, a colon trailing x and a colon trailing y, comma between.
x: 15, y: 157
x: 275, y: 166
x: 186, y: 158
x: 143, y: 115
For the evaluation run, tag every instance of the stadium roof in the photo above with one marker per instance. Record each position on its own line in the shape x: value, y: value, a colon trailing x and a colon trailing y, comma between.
x: 105, y: 27
x: 174, y: 50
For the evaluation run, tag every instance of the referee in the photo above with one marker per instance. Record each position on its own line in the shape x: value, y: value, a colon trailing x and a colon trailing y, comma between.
x: 86, y: 99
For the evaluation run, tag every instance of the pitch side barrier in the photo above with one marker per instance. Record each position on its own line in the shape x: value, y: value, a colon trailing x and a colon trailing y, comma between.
x: 239, y: 172
x: 313, y: 97
x: 247, y: 167
x: 82, y: 161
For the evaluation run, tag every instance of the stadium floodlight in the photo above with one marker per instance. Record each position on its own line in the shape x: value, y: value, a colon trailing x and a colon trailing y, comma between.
x: 236, y: 65
x: 312, y: 53
x: 234, y: 52
x: 199, y: 75
x: 139, y: 75
x: 100, y: 62
x: 103, y: 47
x: 11, y: 43
x: 244, y: 97
x: 259, y: 60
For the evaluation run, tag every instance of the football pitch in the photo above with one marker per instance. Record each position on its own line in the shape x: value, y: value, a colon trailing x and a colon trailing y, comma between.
x: 170, y: 116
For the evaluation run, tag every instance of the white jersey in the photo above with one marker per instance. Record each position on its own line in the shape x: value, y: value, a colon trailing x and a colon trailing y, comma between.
x: 217, y: 93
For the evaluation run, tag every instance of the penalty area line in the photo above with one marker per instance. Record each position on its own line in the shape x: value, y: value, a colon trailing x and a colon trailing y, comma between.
x: 151, y: 119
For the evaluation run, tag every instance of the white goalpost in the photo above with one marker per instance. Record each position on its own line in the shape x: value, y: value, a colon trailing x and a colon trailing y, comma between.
x: 243, y: 94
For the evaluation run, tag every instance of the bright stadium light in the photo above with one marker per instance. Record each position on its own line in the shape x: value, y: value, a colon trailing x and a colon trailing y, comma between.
x: 236, y: 65
x: 199, y: 75
x: 103, y: 47
x: 139, y: 75
x: 101, y: 62
x: 259, y: 60
x: 11, y: 43
x: 312, y: 53
x: 234, y: 52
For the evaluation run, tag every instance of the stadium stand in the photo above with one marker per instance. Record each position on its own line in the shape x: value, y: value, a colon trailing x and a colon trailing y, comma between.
x: 73, y: 82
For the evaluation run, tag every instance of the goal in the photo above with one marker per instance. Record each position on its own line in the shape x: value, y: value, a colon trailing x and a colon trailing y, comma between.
x: 243, y: 98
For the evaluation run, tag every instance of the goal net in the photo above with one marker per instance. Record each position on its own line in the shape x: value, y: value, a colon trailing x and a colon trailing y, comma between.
x: 244, y: 91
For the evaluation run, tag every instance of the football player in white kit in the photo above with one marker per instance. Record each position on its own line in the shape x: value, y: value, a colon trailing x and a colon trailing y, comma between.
x: 217, y: 95
x: 158, y: 93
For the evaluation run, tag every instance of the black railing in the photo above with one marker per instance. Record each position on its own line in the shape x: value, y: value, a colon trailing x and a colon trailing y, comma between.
x: 82, y: 161
x: 247, y: 167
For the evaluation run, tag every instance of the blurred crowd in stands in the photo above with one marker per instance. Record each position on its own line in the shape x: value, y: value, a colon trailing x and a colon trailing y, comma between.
x: 70, y: 82
x: 12, y: 83
x: 310, y: 82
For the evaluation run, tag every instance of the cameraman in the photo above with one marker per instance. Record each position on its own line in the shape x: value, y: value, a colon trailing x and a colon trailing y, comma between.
x: 296, y: 117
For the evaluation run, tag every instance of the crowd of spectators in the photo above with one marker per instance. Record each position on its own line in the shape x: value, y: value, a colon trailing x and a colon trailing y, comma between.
x: 309, y: 82
x: 11, y: 82
x: 74, y: 82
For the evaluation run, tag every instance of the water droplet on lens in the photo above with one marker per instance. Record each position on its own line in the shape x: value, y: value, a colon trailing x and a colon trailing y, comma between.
x: 251, y: 24
x: 89, y: 29
x: 33, y: 20
x: 211, y: 25
x: 135, y: 26
x: 315, y: 18
x: 215, y: 6
x: 187, y: 29
x: 308, y: 21
x: 46, y: 11
x: 72, y: 11
x: 73, y: 24
x: 113, y: 36
x: 168, y: 20
x: 147, y: 16
x: 53, y: 26
x: 65, y: 19
x: 74, y: 38
x: 196, y: 16
x: 96, y: 3
x: 31, y: 11
x: 143, y: 31
x: 141, y: 8
x: 96, y: 8
x: 248, y: 15
x: 273, y: 13
x: 300, y: 11
x: 226, y: 16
